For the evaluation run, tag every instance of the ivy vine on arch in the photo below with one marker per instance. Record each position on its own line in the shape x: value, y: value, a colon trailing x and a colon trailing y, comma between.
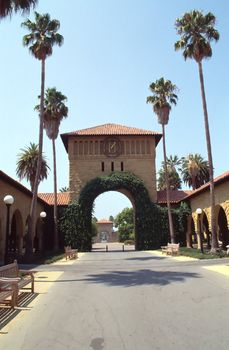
x: 145, y: 210
x: 148, y: 216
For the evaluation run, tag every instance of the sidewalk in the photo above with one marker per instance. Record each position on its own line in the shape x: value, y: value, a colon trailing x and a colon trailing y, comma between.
x: 27, y: 301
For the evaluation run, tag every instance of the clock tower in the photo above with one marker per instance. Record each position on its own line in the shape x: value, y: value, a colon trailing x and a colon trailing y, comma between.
x: 104, y: 149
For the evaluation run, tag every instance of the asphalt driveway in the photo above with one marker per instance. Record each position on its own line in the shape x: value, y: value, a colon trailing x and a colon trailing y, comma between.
x: 126, y: 301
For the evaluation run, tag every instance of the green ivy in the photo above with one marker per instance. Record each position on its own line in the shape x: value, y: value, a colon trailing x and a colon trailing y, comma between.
x: 151, y: 221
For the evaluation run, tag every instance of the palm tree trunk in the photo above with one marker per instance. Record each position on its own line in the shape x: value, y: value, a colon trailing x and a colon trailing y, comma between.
x: 211, y: 171
x: 167, y: 188
x: 33, y: 207
x: 56, y: 245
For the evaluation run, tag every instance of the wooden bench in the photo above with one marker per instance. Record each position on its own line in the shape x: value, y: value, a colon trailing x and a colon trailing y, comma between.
x: 8, y: 292
x: 70, y: 253
x: 17, y: 279
x: 171, y: 249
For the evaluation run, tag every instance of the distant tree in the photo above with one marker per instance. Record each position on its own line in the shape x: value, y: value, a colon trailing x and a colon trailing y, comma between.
x: 64, y: 189
x: 195, y: 170
x: 94, y: 226
x: 173, y: 162
x: 124, y: 222
x: 111, y: 218
x: 27, y: 165
x: 197, y: 31
x: 173, y: 179
x: 7, y: 7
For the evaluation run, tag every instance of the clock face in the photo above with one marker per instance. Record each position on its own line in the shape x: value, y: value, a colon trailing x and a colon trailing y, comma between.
x: 112, y: 147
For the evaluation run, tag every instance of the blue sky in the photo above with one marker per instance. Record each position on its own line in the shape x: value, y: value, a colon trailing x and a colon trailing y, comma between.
x: 113, y: 50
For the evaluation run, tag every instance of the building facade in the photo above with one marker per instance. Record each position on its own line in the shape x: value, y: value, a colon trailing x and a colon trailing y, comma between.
x: 108, y: 148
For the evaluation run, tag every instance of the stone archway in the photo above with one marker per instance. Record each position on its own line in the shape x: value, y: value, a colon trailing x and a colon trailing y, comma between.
x: 16, y: 233
x: 144, y: 209
x: 205, y: 230
x: 223, y: 234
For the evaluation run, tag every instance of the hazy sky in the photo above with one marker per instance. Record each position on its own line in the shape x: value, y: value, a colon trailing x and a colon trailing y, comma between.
x: 113, y: 50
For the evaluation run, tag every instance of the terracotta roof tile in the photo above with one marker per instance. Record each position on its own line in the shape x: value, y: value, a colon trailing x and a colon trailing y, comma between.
x: 104, y: 221
x: 175, y: 196
x: 219, y: 179
x: 111, y: 130
x: 18, y: 185
x: 63, y: 198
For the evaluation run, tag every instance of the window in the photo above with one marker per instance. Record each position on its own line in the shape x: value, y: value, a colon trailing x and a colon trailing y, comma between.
x: 112, y: 166
x: 102, y: 166
x: 122, y: 166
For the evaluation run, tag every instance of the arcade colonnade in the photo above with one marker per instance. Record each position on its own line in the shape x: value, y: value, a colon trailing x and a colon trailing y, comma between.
x: 19, y: 216
x: 200, y: 199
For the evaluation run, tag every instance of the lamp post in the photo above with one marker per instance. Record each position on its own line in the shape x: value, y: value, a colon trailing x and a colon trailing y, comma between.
x: 8, y: 200
x: 43, y: 214
x: 199, y: 212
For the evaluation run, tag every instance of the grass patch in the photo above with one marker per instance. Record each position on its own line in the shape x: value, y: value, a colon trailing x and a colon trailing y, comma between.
x: 50, y: 258
x: 196, y: 253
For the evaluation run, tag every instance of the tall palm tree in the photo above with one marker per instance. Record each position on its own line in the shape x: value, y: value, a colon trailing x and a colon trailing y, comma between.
x: 195, y: 170
x: 41, y: 39
x: 54, y: 111
x: 7, y: 7
x: 163, y: 97
x: 197, y: 32
x: 27, y: 165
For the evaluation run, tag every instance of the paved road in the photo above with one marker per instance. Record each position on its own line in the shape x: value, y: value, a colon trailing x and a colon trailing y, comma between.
x: 127, y: 301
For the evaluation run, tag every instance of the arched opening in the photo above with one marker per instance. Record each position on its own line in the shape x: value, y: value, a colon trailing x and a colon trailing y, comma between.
x: 114, y: 216
x: 16, y: 233
x: 205, y: 230
x: 26, y: 232
x: 223, y: 234
x: 1, y: 242
x: 37, y: 241
x: 190, y: 235
x: 145, y: 211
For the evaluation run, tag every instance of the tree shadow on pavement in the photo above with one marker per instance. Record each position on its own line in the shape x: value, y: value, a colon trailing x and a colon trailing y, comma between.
x: 145, y: 258
x: 140, y: 277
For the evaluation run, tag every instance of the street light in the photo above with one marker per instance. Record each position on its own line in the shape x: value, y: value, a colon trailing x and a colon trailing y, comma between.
x: 199, y: 212
x: 8, y: 200
x: 43, y: 214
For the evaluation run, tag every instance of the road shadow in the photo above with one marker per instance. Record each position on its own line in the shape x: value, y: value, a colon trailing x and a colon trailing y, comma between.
x: 146, y: 258
x: 7, y: 314
x: 139, y: 278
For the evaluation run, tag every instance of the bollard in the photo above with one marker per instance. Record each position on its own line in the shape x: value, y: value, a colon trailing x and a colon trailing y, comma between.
x: 106, y: 248
x: 123, y: 247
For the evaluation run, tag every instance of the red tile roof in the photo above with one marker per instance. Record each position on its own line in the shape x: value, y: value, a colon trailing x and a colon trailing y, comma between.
x: 175, y: 196
x: 219, y: 179
x: 63, y: 198
x: 17, y: 185
x: 104, y: 221
x: 111, y: 130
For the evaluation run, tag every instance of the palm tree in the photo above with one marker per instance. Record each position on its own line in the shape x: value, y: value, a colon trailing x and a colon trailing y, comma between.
x: 64, y: 189
x: 197, y: 32
x: 195, y: 170
x: 163, y: 98
x: 173, y: 162
x: 41, y: 39
x: 54, y: 111
x: 7, y: 7
x: 27, y: 165
x: 173, y: 179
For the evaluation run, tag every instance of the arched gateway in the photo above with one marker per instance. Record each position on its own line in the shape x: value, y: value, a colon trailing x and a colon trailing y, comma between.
x: 114, y: 157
